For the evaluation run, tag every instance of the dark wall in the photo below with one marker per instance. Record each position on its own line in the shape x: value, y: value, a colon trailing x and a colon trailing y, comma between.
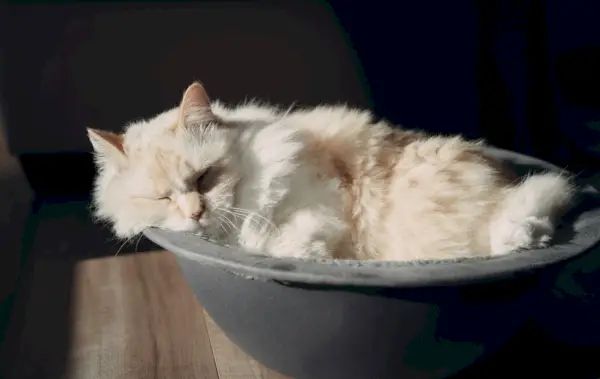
x: 420, y: 59
x: 522, y: 73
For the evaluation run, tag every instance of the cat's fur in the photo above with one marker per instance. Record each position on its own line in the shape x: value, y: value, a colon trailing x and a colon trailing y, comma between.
x: 322, y: 182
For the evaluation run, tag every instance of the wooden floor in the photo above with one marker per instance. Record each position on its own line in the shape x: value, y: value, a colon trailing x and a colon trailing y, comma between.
x: 84, y: 313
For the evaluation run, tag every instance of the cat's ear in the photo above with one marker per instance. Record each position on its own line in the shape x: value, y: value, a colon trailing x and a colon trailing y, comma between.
x: 195, y: 106
x: 107, y: 145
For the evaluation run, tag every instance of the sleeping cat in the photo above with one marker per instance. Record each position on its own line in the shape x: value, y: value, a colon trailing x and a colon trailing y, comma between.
x: 321, y: 182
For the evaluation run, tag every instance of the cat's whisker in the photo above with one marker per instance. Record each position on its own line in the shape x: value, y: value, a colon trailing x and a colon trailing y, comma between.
x: 235, y: 214
x: 246, y: 216
x: 223, y: 227
x: 222, y: 224
x: 250, y: 217
x: 252, y: 214
x: 218, y: 215
x: 137, y: 244
x: 122, y: 246
x: 229, y: 222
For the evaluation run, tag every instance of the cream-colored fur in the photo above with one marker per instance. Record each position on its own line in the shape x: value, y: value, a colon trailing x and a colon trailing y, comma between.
x: 321, y: 182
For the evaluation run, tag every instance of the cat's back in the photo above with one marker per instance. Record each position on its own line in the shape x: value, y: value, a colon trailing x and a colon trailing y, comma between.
x: 339, y: 138
x: 332, y: 122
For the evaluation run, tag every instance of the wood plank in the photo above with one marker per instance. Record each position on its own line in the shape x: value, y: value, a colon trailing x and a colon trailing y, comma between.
x: 231, y: 361
x: 135, y: 317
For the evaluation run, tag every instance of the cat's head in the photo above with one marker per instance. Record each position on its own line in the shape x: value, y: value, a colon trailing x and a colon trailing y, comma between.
x: 175, y: 171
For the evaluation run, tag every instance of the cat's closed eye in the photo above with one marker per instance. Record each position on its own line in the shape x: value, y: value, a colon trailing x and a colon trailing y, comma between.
x: 163, y: 196
x: 147, y: 197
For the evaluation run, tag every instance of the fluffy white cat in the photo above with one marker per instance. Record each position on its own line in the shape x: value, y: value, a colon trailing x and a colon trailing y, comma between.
x: 320, y: 182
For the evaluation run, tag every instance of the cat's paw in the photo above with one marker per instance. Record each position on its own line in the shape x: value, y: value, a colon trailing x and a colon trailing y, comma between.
x: 530, y: 233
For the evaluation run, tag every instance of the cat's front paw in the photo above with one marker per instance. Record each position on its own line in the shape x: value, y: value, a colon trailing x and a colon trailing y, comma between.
x: 530, y: 233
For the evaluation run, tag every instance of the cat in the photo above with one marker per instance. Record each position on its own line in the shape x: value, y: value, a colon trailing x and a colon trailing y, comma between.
x: 322, y: 182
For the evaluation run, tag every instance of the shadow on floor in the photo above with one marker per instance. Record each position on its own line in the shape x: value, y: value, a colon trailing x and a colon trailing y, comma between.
x: 55, y: 238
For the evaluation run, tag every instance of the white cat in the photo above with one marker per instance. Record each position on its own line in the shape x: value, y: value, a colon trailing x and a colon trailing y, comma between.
x: 320, y: 182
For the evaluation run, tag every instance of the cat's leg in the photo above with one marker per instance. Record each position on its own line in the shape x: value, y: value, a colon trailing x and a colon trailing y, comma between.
x: 307, y: 233
x: 527, y: 216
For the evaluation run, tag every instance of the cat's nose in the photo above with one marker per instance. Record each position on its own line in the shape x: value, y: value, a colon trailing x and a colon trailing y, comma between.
x: 196, y: 215
x: 191, y: 205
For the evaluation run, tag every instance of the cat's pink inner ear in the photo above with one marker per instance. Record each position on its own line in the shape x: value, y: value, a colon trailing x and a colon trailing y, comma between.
x: 104, y: 141
x: 195, y: 109
x: 195, y: 96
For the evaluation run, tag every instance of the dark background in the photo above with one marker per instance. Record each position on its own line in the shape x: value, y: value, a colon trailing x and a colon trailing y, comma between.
x: 525, y: 75
x: 522, y: 74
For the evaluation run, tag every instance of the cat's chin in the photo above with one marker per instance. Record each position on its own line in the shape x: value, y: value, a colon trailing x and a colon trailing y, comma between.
x: 188, y: 226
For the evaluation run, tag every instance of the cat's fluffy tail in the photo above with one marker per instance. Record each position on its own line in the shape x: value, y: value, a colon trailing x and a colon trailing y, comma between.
x: 528, y: 213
